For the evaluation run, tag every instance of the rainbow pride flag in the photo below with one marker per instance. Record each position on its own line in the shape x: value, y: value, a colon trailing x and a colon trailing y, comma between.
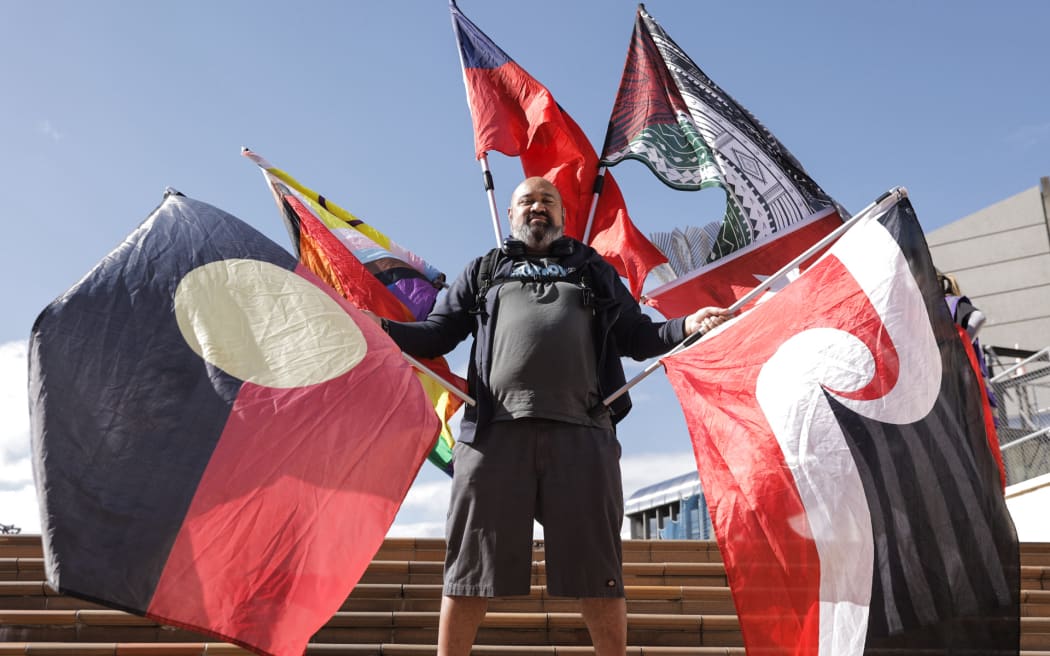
x: 371, y: 271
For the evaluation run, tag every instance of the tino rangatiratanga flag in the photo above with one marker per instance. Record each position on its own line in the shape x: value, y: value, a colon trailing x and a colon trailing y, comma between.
x: 840, y: 442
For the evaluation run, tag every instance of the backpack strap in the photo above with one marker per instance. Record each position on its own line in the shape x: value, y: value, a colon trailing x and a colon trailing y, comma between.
x: 483, y: 281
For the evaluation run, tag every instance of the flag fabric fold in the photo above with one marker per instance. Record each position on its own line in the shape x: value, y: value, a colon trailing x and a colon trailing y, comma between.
x: 845, y: 460
x: 693, y: 135
x: 413, y: 281
x: 371, y: 271
x: 516, y: 115
x: 220, y: 441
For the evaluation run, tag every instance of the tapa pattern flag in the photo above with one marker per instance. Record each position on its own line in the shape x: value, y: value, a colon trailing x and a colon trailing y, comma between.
x: 516, y: 115
x: 371, y: 271
x: 220, y: 441
x: 839, y: 438
x: 693, y: 135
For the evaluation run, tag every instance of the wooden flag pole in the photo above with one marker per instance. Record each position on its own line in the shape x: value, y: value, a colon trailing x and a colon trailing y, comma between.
x: 882, y: 203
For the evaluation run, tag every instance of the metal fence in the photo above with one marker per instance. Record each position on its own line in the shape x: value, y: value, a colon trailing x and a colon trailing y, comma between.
x: 1020, y: 381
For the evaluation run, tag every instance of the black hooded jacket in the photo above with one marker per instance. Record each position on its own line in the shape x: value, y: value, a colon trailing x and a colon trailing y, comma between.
x: 620, y: 329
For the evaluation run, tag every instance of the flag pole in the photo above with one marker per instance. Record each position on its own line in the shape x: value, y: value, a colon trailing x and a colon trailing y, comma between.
x: 896, y: 195
x: 484, y: 159
x: 599, y: 183
x: 490, y: 191
x: 463, y: 396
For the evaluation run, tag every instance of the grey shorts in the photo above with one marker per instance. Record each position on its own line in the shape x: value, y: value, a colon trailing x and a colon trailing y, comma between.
x: 565, y: 476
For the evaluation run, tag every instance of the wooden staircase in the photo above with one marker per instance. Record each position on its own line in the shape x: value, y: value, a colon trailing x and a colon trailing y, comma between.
x: 677, y: 603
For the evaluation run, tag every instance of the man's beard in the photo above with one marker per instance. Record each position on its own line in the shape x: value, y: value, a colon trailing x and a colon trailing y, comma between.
x: 540, y: 236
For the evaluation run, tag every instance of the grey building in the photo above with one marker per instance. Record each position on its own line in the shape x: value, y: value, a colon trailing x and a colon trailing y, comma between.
x: 1001, y: 257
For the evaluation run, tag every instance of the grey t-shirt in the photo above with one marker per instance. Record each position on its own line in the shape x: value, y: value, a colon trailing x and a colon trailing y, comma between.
x: 543, y: 360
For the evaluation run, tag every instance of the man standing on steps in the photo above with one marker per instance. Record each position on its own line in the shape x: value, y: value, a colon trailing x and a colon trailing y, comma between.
x: 550, y: 320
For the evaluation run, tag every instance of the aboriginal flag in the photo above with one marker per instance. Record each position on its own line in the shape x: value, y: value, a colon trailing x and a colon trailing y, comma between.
x: 220, y: 441
x: 839, y: 437
x: 516, y: 115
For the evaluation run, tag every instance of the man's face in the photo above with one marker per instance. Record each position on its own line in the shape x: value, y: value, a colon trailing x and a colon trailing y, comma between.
x: 537, y: 216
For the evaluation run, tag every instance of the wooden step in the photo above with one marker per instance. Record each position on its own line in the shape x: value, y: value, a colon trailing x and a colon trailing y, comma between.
x: 391, y: 597
x: 640, y: 599
x: 433, y: 550
x: 1033, y: 577
x: 534, y: 629
x: 654, y: 629
x: 123, y: 649
x: 223, y: 649
x: 677, y: 599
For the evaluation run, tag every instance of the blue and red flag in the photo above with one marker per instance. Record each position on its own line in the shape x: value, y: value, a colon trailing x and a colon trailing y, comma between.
x: 220, y: 441
x: 516, y: 115
x: 846, y: 463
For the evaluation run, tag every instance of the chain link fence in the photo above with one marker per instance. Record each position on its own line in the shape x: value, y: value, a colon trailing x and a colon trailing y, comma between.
x: 1020, y: 381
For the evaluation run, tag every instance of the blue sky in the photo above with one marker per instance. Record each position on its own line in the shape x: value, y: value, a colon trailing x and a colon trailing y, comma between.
x: 107, y: 103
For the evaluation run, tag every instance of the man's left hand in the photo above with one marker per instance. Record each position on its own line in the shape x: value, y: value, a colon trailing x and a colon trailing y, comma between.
x: 705, y: 319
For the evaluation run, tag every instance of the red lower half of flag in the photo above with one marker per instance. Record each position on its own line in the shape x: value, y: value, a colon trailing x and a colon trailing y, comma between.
x: 296, y: 499
x: 724, y: 281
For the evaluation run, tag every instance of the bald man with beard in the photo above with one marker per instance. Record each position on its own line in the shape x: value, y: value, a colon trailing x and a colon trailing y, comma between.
x: 550, y: 320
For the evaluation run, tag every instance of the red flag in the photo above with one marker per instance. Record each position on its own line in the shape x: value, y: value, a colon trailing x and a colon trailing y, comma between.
x: 733, y: 276
x: 838, y: 434
x: 220, y: 440
x: 516, y: 115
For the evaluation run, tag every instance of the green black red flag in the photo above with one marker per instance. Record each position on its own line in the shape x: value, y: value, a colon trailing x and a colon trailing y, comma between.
x: 693, y: 135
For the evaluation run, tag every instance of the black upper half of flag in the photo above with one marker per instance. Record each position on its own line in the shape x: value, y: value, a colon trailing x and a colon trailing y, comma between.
x: 114, y: 392
x: 947, y: 565
x: 655, y: 65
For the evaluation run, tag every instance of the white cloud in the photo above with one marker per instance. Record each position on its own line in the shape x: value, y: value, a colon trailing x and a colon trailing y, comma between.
x: 427, y: 501
x: 18, y: 504
x: 46, y: 128
x: 646, y: 469
x: 402, y: 529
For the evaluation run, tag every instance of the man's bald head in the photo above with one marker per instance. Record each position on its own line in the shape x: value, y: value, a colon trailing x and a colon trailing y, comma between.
x: 537, y: 216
